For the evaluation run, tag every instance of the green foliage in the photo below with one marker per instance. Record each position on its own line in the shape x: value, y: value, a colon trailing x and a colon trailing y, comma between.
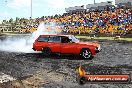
x: 104, y: 38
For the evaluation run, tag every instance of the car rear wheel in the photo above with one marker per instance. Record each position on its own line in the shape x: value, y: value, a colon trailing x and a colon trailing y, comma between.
x: 86, y: 54
x: 46, y: 51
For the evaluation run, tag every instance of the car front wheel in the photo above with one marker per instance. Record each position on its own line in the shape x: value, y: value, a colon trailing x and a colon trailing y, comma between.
x: 86, y: 54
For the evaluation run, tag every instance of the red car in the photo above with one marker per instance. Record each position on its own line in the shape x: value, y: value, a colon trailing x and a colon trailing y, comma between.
x: 65, y: 44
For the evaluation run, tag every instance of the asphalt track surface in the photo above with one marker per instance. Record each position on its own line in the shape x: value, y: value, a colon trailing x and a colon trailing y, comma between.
x: 33, y: 70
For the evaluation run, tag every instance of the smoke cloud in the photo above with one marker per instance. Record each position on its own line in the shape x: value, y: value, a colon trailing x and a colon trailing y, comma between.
x: 24, y: 43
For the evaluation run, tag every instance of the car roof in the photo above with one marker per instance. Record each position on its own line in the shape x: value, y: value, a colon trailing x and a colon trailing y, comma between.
x: 55, y: 35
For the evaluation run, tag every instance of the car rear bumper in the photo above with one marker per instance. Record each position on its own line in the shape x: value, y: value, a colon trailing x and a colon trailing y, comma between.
x: 34, y: 49
x: 98, y: 49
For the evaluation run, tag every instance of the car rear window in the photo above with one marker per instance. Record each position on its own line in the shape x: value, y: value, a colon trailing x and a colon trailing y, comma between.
x: 43, y: 38
x: 54, y: 39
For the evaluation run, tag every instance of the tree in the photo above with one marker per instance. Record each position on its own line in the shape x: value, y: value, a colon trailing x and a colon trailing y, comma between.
x: 4, y: 22
x: 42, y: 18
x: 11, y: 20
x: 17, y: 19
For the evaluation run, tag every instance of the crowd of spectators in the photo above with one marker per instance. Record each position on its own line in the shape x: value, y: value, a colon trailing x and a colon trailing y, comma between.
x: 117, y: 20
x: 112, y: 21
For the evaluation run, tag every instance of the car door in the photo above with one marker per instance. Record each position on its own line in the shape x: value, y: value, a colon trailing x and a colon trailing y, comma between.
x: 54, y: 43
x: 67, y: 46
x: 41, y: 42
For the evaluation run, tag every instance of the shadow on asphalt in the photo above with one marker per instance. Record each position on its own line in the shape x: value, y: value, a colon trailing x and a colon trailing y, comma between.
x: 54, y: 56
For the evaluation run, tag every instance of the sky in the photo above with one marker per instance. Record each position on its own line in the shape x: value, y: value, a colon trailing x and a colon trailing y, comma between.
x: 22, y: 8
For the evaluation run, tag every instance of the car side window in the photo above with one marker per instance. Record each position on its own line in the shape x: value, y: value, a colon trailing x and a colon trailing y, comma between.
x: 54, y: 39
x: 65, y: 39
x: 43, y: 38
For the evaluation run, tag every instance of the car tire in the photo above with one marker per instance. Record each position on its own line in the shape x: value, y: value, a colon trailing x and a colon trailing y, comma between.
x: 86, y: 54
x: 46, y: 51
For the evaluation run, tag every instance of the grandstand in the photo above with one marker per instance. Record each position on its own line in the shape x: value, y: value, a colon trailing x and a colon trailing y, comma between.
x: 99, y: 18
x: 75, y: 9
x: 99, y: 6
x: 123, y: 3
x: 90, y: 7
x: 103, y: 18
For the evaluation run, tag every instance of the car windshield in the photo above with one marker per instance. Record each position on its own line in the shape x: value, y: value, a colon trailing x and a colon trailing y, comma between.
x: 73, y: 38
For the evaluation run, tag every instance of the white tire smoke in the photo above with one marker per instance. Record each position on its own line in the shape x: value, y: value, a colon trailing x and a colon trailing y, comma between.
x: 23, y: 43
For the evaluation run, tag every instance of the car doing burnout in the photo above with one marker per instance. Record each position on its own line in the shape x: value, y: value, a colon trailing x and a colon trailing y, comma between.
x: 65, y: 44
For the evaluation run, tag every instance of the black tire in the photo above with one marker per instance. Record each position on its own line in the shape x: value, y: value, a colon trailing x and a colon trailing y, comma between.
x: 86, y: 54
x: 46, y: 51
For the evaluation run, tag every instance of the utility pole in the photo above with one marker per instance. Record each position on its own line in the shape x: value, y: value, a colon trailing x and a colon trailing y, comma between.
x: 31, y: 8
x: 94, y: 1
x: 5, y: 9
